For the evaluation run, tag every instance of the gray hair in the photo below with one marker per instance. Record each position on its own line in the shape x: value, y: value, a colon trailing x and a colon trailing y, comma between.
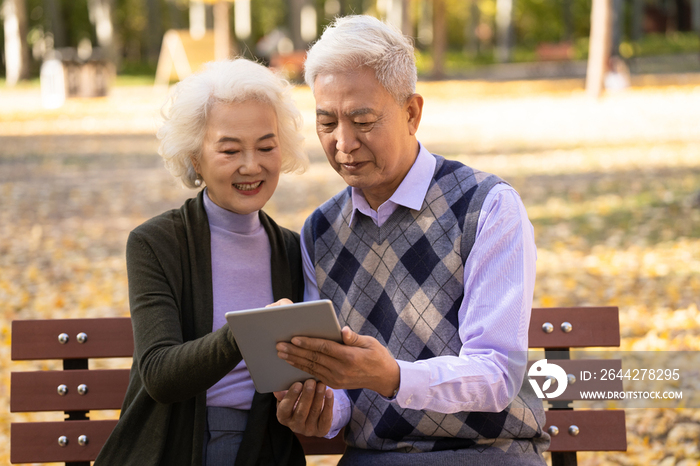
x: 351, y: 42
x: 185, y: 113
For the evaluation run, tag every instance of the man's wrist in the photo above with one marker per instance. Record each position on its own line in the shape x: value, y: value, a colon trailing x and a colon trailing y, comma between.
x: 395, y: 378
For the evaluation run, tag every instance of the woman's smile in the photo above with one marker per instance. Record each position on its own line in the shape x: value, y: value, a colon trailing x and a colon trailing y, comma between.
x: 248, y: 189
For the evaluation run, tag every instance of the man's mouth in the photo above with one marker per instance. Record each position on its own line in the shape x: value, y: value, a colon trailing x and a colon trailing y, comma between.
x: 247, y: 186
x: 352, y: 166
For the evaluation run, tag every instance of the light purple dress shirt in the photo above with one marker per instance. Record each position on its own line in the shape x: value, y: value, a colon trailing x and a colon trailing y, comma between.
x: 499, y: 280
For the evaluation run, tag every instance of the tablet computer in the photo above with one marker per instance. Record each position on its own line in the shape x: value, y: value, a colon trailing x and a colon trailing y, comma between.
x: 257, y: 331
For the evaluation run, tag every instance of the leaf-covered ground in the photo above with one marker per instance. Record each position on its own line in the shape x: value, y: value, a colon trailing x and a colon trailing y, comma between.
x: 612, y: 188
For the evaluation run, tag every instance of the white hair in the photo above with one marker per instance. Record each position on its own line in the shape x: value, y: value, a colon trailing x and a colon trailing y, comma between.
x: 185, y: 113
x: 351, y: 42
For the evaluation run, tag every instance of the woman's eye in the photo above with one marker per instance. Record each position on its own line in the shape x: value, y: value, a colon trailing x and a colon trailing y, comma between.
x: 267, y: 149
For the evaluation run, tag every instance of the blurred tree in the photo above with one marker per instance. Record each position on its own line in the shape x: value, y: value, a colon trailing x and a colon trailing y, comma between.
x: 14, y: 13
x: 54, y: 23
x: 504, y: 30
x: 538, y: 21
x: 439, y: 38
x: 155, y: 29
x: 472, y: 40
x: 130, y: 20
x: 637, y: 19
x: 600, y: 46
x: 77, y: 22
x: 101, y: 13
x: 568, y: 18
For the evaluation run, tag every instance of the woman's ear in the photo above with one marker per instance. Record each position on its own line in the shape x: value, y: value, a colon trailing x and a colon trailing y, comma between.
x: 195, y: 163
x: 414, y: 110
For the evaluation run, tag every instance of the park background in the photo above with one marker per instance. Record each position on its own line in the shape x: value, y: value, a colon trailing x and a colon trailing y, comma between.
x: 610, y: 180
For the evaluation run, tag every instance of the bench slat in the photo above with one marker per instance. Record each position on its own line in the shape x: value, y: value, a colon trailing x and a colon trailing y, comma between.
x: 591, y: 326
x: 38, y: 391
x: 576, y: 366
x: 37, y: 442
x: 112, y: 337
x: 108, y: 337
x: 599, y: 430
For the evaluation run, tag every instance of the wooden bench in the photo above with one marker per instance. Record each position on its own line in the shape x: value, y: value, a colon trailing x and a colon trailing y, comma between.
x: 76, y: 389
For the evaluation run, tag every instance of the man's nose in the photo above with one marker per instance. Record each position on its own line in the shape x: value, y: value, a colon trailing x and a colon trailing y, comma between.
x: 345, y: 138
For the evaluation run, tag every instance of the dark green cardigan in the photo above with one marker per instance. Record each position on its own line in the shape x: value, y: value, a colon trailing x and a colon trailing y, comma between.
x: 177, y: 357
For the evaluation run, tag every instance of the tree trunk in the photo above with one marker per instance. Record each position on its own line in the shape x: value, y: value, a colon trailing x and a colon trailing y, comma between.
x: 399, y: 15
x: 671, y: 16
x: 439, y: 38
x: 618, y: 23
x: 14, y: 13
x: 696, y: 15
x: 599, y: 46
x: 425, y: 23
x: 222, y: 34
x: 568, y: 20
x: 637, y: 19
x: 242, y: 25
x: 55, y: 22
x: 100, y: 12
x: 504, y: 30
x: 155, y: 29
x: 198, y: 19
x: 473, y: 46
x: 294, y: 20
x: 174, y: 16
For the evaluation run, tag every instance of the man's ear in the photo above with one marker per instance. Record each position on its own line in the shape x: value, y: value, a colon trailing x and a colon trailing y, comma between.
x: 414, y: 111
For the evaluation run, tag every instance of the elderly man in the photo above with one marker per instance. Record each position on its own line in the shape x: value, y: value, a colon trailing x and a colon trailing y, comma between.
x: 430, y: 265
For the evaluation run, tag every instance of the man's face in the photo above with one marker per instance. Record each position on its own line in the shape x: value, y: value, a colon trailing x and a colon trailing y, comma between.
x: 368, y: 137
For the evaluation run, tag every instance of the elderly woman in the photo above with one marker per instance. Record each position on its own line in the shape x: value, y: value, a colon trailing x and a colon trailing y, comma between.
x: 231, y: 128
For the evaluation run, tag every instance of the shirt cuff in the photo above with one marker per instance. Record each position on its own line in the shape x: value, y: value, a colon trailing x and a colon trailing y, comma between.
x: 414, y: 386
x: 342, y: 409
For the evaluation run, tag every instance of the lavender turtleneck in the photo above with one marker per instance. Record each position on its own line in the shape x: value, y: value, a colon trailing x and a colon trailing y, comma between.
x: 240, y: 269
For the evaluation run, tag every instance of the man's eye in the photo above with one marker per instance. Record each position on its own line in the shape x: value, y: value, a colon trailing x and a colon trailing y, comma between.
x: 231, y: 151
x: 326, y: 125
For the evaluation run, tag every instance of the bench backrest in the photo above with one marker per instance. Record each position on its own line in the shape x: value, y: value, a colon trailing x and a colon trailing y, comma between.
x: 77, y: 389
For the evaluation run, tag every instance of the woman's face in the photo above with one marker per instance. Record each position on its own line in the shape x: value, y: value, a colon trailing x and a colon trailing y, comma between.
x: 241, y: 157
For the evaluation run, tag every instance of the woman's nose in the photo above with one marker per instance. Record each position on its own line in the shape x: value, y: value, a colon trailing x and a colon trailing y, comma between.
x: 250, y: 164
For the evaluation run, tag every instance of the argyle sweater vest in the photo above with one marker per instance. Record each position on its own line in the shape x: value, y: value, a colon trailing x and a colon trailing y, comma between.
x: 402, y: 283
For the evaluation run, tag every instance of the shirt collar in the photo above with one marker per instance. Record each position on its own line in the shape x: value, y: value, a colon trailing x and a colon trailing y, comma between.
x: 410, y: 193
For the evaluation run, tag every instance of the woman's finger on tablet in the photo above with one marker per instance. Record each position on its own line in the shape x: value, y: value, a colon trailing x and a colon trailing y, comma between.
x: 303, y: 408
x: 280, y: 395
x: 324, y: 422
x: 280, y: 302
x: 285, y: 408
x: 316, y: 408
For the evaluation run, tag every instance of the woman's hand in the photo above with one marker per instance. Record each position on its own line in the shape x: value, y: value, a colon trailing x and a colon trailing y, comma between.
x: 306, y: 409
x: 281, y: 302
